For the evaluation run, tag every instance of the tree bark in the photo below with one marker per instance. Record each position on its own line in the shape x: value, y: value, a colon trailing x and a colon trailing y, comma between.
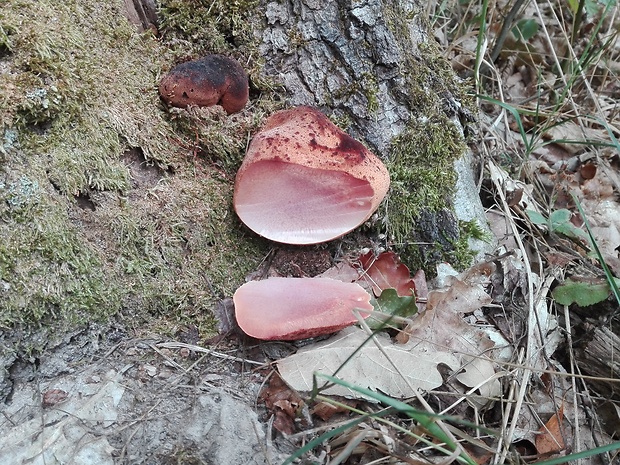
x: 141, y: 13
x: 374, y: 66
x: 352, y: 57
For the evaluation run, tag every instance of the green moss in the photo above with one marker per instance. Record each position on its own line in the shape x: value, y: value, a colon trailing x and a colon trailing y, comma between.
x: 369, y: 84
x: 194, y: 29
x: 343, y: 121
x: 366, y: 86
x: 154, y: 235
x: 46, y: 271
x: 212, y: 135
x: 422, y: 173
x: 461, y: 255
x: 472, y: 229
x: 79, y: 79
x: 6, y: 31
x: 422, y: 157
x: 295, y: 37
x: 226, y: 27
x: 216, y: 26
x: 188, y: 243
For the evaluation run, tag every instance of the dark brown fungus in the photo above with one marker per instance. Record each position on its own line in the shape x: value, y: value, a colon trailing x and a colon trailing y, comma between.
x: 212, y: 80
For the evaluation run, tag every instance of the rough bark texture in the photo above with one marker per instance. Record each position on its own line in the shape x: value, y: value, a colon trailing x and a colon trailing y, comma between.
x: 141, y: 13
x: 350, y: 57
x: 373, y: 67
x: 596, y: 358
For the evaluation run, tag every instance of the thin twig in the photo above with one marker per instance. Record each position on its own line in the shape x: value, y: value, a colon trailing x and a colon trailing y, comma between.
x: 181, y: 345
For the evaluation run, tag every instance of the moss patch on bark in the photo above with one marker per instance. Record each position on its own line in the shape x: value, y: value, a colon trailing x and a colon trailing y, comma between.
x: 109, y: 202
x: 421, y: 160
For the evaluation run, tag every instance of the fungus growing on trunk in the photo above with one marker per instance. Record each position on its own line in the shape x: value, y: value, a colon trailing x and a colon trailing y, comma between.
x: 305, y: 181
x: 212, y: 80
x: 298, y: 308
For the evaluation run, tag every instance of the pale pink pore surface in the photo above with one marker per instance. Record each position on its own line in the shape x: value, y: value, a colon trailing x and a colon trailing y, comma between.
x: 305, y: 181
x: 307, y: 205
x: 298, y: 308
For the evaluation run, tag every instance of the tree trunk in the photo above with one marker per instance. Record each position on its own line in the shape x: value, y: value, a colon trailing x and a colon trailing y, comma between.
x: 354, y: 58
x: 86, y: 139
x: 374, y: 68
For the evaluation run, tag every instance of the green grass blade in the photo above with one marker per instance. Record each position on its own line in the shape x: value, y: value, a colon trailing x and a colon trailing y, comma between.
x: 515, y: 113
x: 323, y: 437
x: 425, y: 419
x: 610, y: 132
x: 608, y: 274
x: 581, y: 455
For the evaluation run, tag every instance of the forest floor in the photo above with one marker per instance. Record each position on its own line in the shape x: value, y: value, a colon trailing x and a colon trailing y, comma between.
x: 535, y: 325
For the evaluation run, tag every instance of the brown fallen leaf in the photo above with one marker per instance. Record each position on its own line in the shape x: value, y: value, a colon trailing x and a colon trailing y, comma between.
x: 54, y: 397
x: 360, y: 361
x: 284, y: 403
x: 550, y: 439
x: 564, y: 134
x: 597, y: 188
x: 558, y: 259
x: 441, y: 327
x: 552, y: 154
x: 481, y: 456
x: 587, y: 171
x: 387, y: 272
x: 342, y: 271
x: 326, y: 410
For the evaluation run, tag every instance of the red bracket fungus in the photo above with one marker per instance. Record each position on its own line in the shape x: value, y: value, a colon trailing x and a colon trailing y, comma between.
x: 305, y: 181
x: 298, y: 308
x: 212, y: 80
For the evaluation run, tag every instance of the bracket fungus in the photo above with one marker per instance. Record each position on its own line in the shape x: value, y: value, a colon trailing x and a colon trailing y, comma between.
x: 298, y: 308
x: 212, y: 80
x: 305, y: 181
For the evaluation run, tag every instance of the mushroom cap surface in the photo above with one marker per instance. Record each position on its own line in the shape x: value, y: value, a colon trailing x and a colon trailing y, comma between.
x: 212, y: 80
x: 305, y: 181
x: 298, y: 308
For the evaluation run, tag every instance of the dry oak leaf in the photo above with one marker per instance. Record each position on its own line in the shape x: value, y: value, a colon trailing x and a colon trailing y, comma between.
x: 325, y: 410
x: 283, y: 403
x: 53, y: 397
x: 367, y: 367
x: 387, y: 272
x: 441, y: 327
x: 549, y: 439
x: 438, y: 336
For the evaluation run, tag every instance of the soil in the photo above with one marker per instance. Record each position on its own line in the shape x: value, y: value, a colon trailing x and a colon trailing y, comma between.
x: 103, y: 397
